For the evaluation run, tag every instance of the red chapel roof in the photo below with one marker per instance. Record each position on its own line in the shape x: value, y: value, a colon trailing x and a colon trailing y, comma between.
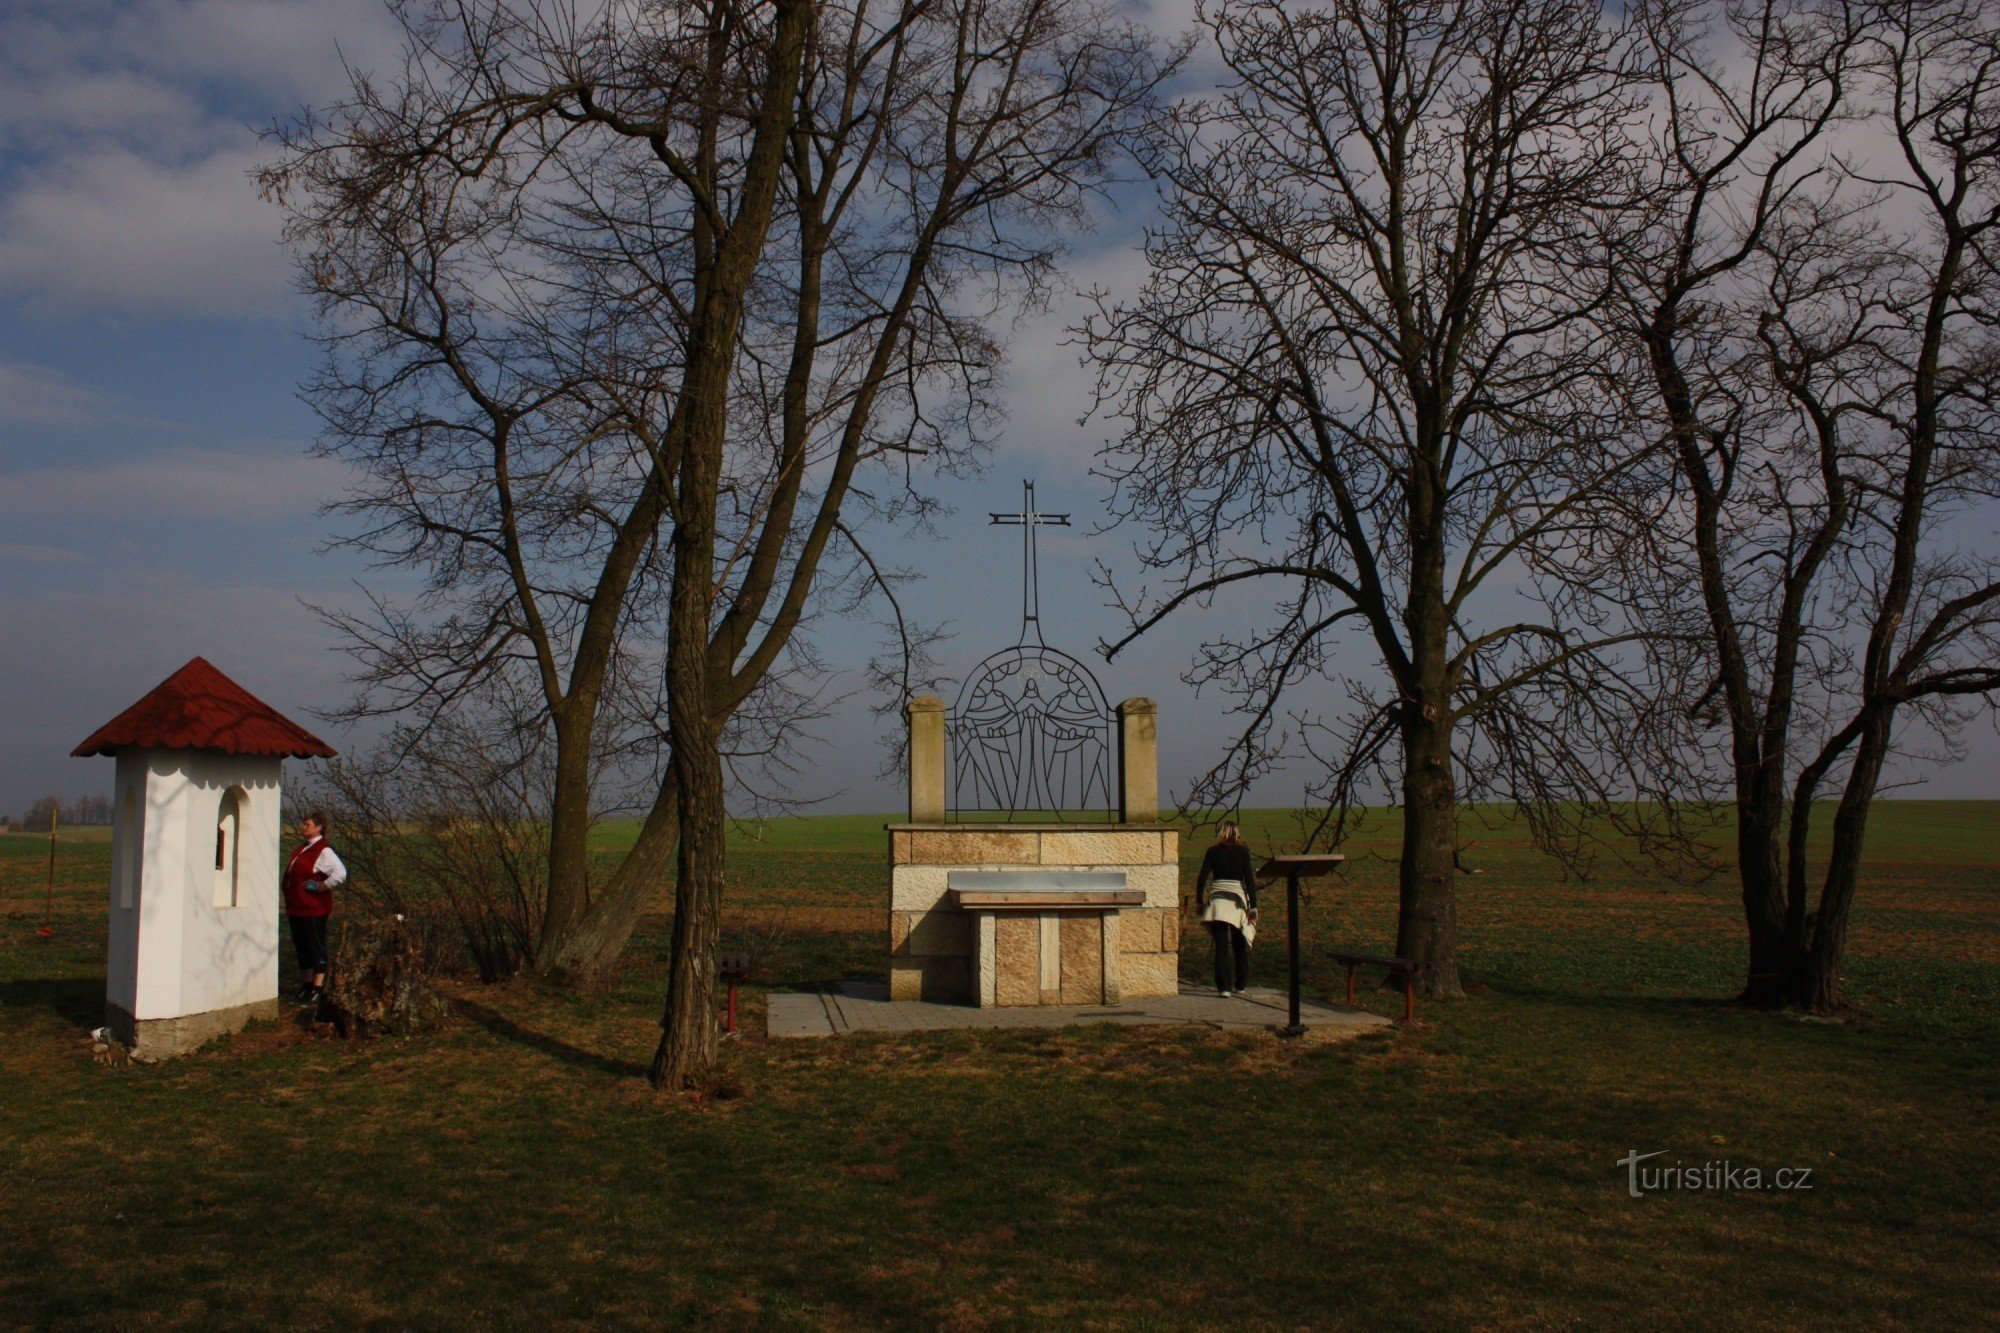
x: 199, y: 708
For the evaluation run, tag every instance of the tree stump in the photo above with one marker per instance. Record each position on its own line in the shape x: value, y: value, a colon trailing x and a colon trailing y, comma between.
x: 379, y: 984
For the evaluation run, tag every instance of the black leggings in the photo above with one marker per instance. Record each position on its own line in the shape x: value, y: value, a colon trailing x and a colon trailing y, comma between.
x: 309, y: 944
x: 1232, y: 956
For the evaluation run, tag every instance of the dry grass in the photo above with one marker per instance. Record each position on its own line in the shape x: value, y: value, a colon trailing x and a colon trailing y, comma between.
x: 516, y: 1169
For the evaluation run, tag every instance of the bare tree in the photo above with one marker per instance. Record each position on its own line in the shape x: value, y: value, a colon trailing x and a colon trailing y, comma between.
x: 938, y: 153
x: 1821, y: 378
x: 1749, y: 236
x: 497, y: 383
x: 1369, y: 366
x: 682, y: 274
x: 1931, y: 599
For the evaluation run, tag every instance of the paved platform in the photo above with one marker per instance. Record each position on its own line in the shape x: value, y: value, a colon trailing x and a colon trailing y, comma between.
x: 865, y: 1006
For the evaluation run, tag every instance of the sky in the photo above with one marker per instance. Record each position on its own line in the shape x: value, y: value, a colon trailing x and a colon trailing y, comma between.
x: 157, y: 498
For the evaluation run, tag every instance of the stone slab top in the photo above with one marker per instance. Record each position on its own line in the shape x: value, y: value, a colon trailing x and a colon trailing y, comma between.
x: 1037, y: 881
x: 1302, y: 864
x: 1003, y: 900
x: 1000, y: 826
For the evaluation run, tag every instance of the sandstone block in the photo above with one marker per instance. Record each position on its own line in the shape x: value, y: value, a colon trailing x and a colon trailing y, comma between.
x: 1051, y: 955
x: 1139, y: 930
x: 941, y: 931
x: 971, y: 847
x: 1017, y: 960
x: 1149, y: 974
x: 1082, y: 944
x: 985, y: 956
x: 1160, y: 883
x: 1138, y: 760
x: 1100, y: 849
x: 915, y: 888
x: 899, y: 849
x: 926, y: 758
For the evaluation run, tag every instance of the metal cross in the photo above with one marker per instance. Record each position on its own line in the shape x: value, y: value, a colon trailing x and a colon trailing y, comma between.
x: 1031, y: 580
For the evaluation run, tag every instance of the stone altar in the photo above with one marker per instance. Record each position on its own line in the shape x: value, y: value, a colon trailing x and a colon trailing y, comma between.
x: 990, y: 913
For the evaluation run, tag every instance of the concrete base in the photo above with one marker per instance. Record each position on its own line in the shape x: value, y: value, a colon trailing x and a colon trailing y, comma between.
x: 163, y: 1038
x: 862, y: 1006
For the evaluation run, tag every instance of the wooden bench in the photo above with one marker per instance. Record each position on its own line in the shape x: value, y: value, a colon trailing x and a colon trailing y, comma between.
x: 1408, y: 967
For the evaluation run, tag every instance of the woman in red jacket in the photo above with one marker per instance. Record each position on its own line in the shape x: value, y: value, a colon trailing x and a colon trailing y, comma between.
x: 311, y: 876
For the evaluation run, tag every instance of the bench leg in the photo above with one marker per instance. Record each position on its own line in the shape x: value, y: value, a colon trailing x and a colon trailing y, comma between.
x: 1409, y: 998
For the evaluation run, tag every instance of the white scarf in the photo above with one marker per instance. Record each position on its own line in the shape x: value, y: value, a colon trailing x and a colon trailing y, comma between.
x: 1229, y: 904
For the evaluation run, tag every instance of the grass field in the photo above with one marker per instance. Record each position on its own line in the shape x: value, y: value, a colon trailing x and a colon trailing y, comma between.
x: 516, y: 1170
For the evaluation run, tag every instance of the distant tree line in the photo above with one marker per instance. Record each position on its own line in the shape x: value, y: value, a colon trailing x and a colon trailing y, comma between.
x: 80, y: 810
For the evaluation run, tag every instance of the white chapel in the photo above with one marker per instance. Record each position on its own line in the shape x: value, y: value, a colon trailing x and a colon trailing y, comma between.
x: 195, y: 859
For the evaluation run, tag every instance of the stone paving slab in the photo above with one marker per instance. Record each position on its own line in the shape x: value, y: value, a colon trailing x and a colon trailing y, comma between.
x: 865, y: 1006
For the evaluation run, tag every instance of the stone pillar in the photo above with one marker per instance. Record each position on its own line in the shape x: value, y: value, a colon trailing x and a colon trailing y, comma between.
x: 927, y: 761
x: 1138, y: 762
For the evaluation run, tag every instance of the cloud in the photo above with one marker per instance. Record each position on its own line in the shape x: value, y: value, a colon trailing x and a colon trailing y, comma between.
x: 115, y: 231
x: 223, y: 51
x: 184, y: 483
x: 51, y: 110
x: 289, y: 50
x: 39, y: 396
x: 129, y: 132
x: 18, y: 555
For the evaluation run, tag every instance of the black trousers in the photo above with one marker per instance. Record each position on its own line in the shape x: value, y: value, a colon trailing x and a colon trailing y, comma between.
x: 309, y: 944
x: 1232, y: 956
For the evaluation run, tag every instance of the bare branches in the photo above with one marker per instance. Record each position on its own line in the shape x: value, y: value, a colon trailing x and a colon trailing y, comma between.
x: 1802, y: 335
x: 1369, y: 364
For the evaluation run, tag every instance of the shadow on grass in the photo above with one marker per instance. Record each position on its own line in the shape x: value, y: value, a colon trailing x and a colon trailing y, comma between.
x: 507, y: 1029
x: 1575, y: 998
x: 76, y: 1000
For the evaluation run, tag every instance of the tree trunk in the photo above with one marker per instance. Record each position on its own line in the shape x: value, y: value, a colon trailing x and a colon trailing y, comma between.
x: 1759, y: 866
x: 688, y: 1036
x: 687, y: 1039
x: 1759, y: 780
x: 569, y: 834
x: 587, y: 953
x: 1815, y: 984
x: 695, y: 683
x: 1427, y: 919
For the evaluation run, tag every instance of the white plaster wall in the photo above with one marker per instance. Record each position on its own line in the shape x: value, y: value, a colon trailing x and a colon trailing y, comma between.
x: 191, y: 955
x: 121, y: 982
x: 229, y: 955
x: 162, y: 885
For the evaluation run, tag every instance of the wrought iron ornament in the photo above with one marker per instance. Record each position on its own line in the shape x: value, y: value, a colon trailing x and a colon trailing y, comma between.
x: 1031, y: 731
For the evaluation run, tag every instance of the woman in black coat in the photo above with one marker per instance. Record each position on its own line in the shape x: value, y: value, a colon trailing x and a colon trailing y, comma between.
x: 1225, y: 892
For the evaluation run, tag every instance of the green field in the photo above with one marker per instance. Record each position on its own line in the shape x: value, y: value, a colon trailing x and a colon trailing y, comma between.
x: 517, y: 1170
